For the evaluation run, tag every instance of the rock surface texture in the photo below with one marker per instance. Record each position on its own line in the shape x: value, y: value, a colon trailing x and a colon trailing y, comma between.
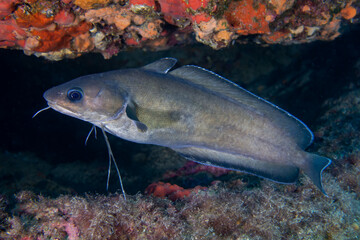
x: 59, y: 29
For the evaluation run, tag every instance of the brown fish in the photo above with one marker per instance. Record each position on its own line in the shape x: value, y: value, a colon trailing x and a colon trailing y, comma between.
x: 197, y: 113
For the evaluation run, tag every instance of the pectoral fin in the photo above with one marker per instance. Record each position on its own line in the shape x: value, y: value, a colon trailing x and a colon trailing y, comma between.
x: 131, y: 113
x: 146, y: 119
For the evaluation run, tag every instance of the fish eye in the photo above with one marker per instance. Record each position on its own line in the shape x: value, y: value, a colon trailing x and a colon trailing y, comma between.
x: 75, y: 94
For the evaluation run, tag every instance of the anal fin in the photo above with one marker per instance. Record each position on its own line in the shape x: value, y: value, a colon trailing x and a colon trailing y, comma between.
x: 269, y: 170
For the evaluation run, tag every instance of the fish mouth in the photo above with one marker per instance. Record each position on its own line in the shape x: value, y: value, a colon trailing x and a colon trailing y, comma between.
x: 56, y: 107
x: 68, y: 112
x: 62, y: 110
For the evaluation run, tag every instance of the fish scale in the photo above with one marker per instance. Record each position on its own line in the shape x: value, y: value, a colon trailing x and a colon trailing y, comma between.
x: 197, y: 113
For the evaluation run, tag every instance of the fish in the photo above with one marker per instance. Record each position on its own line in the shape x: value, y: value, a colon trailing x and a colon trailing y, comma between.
x: 197, y: 113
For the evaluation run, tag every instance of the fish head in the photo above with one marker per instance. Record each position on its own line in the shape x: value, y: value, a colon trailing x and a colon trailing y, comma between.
x: 89, y: 98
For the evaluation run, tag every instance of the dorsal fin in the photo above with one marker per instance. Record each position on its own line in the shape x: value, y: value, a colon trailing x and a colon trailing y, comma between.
x: 296, y: 129
x: 162, y: 65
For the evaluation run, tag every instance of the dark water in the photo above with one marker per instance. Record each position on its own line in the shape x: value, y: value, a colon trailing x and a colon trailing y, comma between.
x: 299, y: 78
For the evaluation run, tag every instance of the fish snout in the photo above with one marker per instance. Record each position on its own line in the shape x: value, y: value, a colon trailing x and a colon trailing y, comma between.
x: 52, y: 95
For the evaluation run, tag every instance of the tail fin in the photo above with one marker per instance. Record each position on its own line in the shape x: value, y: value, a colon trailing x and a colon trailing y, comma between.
x: 314, y: 167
